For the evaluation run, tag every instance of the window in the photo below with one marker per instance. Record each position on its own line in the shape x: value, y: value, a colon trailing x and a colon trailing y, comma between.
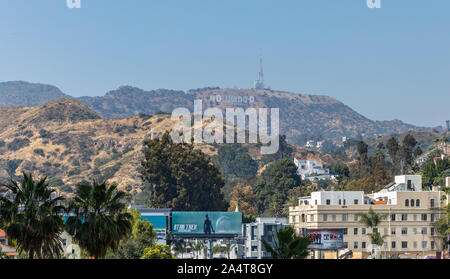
x: 409, y: 185
x: 345, y: 217
x: 424, y: 244
x: 432, y: 203
x: 363, y: 245
x: 404, y: 217
x: 417, y: 202
x: 325, y: 217
x: 392, y: 217
x: 412, y: 203
x: 345, y: 231
x: 432, y: 245
x: 393, y: 244
x: 404, y: 231
x: 363, y: 230
x: 64, y: 242
x: 393, y: 231
x: 328, y: 202
x: 340, y: 202
x: 315, y: 202
x: 303, y: 218
x: 432, y: 231
x: 355, y: 245
x: 432, y: 217
x: 355, y: 201
x: 404, y: 244
x: 424, y: 217
x: 345, y: 201
x: 375, y: 230
x: 355, y: 218
x: 406, y: 202
x: 424, y: 231
x: 355, y: 231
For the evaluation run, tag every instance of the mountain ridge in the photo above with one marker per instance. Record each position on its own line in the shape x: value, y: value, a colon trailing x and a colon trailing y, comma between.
x: 302, y: 116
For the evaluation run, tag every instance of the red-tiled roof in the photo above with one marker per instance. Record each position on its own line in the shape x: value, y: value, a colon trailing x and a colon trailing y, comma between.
x: 2, y: 233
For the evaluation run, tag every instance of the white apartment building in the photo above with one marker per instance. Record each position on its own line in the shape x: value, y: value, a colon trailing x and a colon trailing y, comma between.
x: 264, y: 228
x: 409, y: 226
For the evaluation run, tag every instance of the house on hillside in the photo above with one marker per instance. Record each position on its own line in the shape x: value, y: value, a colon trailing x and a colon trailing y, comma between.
x: 310, y: 169
x: 5, y: 247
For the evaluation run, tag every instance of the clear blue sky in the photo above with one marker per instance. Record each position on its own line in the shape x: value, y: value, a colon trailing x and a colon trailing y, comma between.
x: 388, y: 63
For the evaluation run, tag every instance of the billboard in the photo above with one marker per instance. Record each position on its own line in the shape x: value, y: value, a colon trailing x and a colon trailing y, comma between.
x: 206, y: 223
x: 159, y: 223
x: 325, y: 239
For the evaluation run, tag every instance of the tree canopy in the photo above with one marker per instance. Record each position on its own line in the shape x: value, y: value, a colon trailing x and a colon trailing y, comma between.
x: 181, y: 177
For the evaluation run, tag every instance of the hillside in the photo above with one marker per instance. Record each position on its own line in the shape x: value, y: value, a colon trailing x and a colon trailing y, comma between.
x: 69, y: 142
x: 302, y: 116
x: 425, y: 140
x: 20, y: 93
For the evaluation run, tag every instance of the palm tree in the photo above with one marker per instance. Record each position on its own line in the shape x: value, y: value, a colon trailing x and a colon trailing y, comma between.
x: 197, y: 247
x: 179, y: 247
x: 98, y: 219
x: 229, y: 247
x: 287, y: 245
x: 371, y: 219
x: 29, y: 214
x: 219, y: 249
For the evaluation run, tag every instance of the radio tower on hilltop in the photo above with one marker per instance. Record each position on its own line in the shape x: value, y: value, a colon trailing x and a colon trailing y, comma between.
x: 259, y: 83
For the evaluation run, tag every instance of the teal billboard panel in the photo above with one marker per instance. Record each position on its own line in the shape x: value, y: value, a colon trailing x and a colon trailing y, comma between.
x: 205, y: 223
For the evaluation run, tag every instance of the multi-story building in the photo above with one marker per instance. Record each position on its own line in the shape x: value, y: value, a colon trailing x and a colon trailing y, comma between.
x: 264, y: 228
x: 409, y: 226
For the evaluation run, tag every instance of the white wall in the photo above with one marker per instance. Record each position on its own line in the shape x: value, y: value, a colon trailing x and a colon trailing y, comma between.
x: 335, y: 196
x: 416, y: 181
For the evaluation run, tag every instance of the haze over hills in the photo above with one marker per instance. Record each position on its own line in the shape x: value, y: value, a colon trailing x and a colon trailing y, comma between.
x: 302, y: 116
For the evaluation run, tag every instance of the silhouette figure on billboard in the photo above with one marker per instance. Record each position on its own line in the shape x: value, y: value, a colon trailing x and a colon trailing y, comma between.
x: 207, y: 227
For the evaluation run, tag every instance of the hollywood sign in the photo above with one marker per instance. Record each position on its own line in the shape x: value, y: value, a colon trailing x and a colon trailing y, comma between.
x: 232, y: 99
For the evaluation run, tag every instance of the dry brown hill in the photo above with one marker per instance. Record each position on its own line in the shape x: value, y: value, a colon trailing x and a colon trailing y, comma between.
x: 69, y: 142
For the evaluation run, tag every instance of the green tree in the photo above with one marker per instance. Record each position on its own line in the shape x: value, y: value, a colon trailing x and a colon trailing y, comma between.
x: 197, y: 247
x: 158, y: 251
x: 273, y: 190
x: 30, y: 217
x: 179, y: 247
x: 98, y: 218
x: 181, y: 177
x: 443, y: 225
x: 142, y: 237
x: 392, y: 147
x: 287, y: 245
x: 234, y: 161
